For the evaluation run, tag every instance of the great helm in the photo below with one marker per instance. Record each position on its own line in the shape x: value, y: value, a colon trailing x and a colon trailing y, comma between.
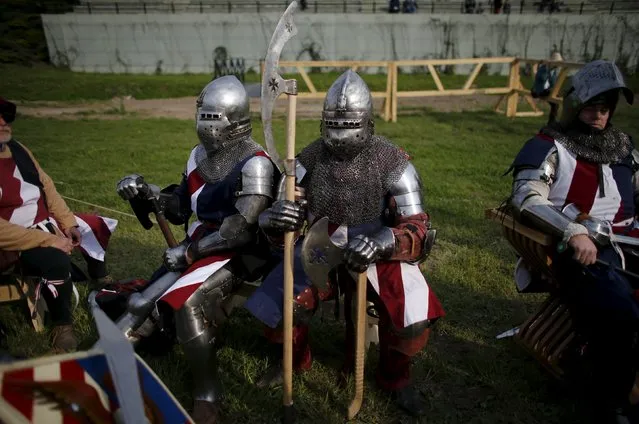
x: 222, y: 113
x: 597, y: 81
x: 347, y: 119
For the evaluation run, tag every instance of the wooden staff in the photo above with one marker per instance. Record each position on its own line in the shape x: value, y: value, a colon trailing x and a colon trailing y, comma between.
x: 288, y: 265
x: 360, y: 338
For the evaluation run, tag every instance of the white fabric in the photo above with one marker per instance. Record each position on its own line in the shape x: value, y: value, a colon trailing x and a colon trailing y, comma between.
x: 25, y: 214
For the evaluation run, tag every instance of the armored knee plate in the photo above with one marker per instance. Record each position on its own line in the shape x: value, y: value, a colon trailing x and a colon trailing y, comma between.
x: 202, y: 310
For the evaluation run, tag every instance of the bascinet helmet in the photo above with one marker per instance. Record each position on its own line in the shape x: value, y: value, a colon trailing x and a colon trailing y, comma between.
x: 347, y: 119
x: 598, y: 82
x: 222, y: 113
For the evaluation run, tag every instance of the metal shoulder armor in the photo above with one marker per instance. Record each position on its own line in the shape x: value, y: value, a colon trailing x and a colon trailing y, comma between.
x: 257, y: 177
x: 407, y: 192
x: 532, y: 185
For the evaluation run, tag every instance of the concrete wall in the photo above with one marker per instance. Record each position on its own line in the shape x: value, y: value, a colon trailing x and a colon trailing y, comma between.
x: 179, y: 43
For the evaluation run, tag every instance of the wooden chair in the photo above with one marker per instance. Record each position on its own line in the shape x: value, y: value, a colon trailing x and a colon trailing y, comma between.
x: 548, y: 334
x: 15, y: 288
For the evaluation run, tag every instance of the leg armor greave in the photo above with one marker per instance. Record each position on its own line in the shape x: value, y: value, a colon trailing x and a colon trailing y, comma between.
x: 196, y: 327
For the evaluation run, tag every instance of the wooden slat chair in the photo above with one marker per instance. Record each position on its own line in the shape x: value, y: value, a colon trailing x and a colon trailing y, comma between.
x: 15, y: 288
x: 548, y: 334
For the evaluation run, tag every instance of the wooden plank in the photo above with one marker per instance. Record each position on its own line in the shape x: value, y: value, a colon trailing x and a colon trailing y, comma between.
x: 389, y: 93
x: 572, y: 65
x: 563, y: 74
x: 466, y: 61
x: 529, y: 114
x: 396, y: 93
x: 499, y: 102
x: 472, y: 76
x: 322, y: 95
x: 433, y: 73
x: 10, y: 293
x: 453, y: 92
x: 513, y: 98
x: 306, y: 79
x: 332, y: 63
x: 508, y: 221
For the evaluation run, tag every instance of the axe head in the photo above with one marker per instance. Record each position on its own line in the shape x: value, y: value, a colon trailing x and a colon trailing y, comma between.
x: 319, y: 254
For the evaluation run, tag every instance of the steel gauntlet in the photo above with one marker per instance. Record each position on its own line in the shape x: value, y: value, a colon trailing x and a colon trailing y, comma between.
x: 364, y: 250
x: 283, y: 216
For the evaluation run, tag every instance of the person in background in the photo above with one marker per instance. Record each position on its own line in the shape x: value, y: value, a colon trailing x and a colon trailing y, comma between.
x: 38, y: 231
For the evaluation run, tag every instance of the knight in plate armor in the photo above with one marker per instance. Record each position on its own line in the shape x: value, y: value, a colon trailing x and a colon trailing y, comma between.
x: 372, y: 196
x: 229, y: 181
x: 576, y: 170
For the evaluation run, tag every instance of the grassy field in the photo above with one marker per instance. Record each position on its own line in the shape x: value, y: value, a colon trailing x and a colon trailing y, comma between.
x: 45, y: 83
x: 467, y: 375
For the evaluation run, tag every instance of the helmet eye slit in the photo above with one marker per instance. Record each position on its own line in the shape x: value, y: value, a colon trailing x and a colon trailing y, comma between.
x: 343, y: 123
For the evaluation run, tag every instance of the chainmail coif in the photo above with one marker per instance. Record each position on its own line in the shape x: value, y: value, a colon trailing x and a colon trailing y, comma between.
x: 351, y: 191
x: 609, y: 145
x: 221, y: 163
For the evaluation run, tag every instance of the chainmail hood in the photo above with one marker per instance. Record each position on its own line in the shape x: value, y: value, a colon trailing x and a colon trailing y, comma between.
x: 351, y: 191
x: 220, y: 163
x: 609, y: 145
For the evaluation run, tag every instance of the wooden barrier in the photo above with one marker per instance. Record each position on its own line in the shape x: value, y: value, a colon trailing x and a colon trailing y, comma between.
x: 441, y: 90
x: 517, y: 88
x: 312, y: 92
x: 510, y: 93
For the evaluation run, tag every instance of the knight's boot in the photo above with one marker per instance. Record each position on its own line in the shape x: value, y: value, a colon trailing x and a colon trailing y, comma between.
x: 394, y: 369
x: 302, y: 359
x: 63, y: 339
x: 201, y: 354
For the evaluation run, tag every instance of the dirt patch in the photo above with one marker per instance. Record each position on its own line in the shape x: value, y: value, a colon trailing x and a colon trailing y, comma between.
x: 184, y: 107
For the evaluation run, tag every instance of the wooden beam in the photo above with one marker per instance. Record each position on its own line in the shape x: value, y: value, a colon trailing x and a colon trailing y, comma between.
x: 532, y: 103
x: 508, y: 221
x: 454, y: 92
x: 433, y: 73
x: 306, y: 79
x: 572, y: 65
x: 563, y: 74
x: 514, y: 81
x: 527, y: 114
x: 395, y: 93
x: 499, y: 102
x: 467, y: 61
x: 389, y: 92
x: 472, y: 76
x: 332, y: 63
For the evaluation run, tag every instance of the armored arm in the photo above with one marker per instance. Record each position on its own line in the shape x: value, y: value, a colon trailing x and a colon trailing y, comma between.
x: 530, y: 190
x: 409, y: 237
x: 173, y: 200
x: 236, y: 230
x: 284, y: 215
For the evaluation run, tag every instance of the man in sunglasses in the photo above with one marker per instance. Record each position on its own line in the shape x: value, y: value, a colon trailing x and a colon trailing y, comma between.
x: 38, y: 231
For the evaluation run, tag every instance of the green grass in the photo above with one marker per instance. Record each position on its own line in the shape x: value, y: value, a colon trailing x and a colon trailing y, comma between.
x: 467, y: 375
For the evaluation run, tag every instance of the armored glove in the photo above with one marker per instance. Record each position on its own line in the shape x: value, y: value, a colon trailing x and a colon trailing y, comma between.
x: 284, y: 215
x: 175, y: 258
x: 361, y: 250
x: 134, y: 186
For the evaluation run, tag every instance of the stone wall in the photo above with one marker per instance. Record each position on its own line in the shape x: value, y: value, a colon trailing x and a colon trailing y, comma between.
x: 180, y: 43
